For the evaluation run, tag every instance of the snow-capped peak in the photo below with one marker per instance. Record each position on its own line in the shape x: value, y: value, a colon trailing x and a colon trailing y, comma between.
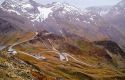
x: 37, y: 12
x: 19, y: 5
x: 65, y: 6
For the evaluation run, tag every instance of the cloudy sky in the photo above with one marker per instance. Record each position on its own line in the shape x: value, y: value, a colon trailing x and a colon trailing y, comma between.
x: 83, y: 3
x: 80, y: 3
x: 1, y: 1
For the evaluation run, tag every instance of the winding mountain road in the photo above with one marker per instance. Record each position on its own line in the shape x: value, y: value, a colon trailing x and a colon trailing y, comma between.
x: 68, y: 55
x: 11, y: 47
x: 54, y: 50
x: 2, y: 47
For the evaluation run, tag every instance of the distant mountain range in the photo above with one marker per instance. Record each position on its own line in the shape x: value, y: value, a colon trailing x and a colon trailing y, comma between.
x: 93, y: 24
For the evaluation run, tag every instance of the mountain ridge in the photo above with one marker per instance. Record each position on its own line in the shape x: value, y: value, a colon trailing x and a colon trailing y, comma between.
x: 60, y: 42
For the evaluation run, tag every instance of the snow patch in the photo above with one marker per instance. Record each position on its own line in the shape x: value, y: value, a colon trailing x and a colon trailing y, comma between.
x: 69, y: 8
x: 27, y: 6
x: 104, y: 12
x: 65, y: 6
x: 14, y: 12
x: 116, y: 8
x: 13, y: 6
x: 64, y: 12
x: 44, y: 13
x: 86, y: 22
x: 77, y: 19
x: 91, y: 18
x: 23, y: 10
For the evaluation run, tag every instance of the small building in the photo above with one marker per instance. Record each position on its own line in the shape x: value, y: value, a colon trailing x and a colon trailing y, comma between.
x: 43, y: 58
x: 63, y: 57
x: 38, y: 56
x: 12, y: 51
